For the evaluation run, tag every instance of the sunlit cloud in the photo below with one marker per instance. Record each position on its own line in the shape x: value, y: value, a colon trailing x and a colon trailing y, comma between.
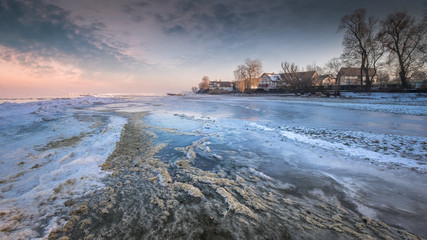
x: 35, y: 65
x: 139, y: 45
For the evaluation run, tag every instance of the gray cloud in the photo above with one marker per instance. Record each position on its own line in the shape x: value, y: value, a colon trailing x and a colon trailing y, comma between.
x: 45, y: 29
x: 134, y: 10
x: 184, y: 7
x: 167, y: 18
x: 225, y: 15
x: 177, y: 29
x: 232, y: 15
x: 218, y: 25
x: 127, y: 8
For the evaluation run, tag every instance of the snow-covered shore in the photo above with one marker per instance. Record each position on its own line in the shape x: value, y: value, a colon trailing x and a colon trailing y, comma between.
x: 250, y: 159
x: 50, y: 154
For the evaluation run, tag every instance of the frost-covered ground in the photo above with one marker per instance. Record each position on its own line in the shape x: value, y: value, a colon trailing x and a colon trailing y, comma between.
x: 215, y: 167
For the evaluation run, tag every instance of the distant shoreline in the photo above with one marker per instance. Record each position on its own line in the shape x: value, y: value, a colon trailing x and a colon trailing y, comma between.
x: 329, y: 93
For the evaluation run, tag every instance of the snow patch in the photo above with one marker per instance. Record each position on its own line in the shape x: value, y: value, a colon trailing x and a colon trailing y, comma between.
x: 351, y: 150
x: 259, y: 174
x: 39, y: 192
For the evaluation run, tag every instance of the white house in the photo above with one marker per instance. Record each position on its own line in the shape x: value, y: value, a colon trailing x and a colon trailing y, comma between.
x: 269, y: 81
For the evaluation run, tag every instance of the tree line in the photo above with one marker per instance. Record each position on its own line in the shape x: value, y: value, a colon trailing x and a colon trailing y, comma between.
x: 397, y: 40
x: 396, y: 43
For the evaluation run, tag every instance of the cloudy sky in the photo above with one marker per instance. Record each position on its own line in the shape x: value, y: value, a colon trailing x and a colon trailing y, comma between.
x: 53, y: 47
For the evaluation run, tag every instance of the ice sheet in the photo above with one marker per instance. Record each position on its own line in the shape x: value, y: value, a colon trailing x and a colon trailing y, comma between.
x: 51, y: 152
x: 303, y: 162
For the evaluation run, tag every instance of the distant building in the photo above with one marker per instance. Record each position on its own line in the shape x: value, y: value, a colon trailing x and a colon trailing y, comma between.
x: 220, y: 85
x: 351, y: 76
x: 310, y: 77
x: 269, y: 81
x: 326, y: 80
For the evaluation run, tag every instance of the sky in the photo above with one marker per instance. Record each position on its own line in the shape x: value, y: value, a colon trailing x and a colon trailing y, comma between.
x: 57, y: 47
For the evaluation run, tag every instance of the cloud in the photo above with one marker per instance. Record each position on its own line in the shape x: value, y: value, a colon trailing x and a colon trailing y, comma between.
x: 39, y: 66
x: 184, y: 7
x: 133, y: 10
x: 224, y: 20
x: 137, y: 37
x: 47, y: 30
x: 177, y: 29
x: 142, y: 3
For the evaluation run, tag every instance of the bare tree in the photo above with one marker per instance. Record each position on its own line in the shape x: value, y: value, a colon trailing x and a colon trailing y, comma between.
x: 296, y: 81
x: 332, y: 67
x: 248, y: 73
x: 375, y: 53
x: 290, y: 77
x: 361, y: 44
x: 204, y: 84
x: 425, y: 13
x: 403, y: 37
x: 424, y: 23
x: 383, y: 78
x: 194, y: 89
x: 314, y: 67
x: 419, y: 75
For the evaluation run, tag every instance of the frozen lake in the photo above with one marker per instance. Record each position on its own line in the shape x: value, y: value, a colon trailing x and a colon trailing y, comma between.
x: 215, y: 167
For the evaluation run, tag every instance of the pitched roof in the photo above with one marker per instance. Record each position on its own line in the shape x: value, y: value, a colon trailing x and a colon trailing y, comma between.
x: 300, y: 75
x: 323, y: 77
x: 272, y: 76
x: 355, y: 72
x: 221, y: 84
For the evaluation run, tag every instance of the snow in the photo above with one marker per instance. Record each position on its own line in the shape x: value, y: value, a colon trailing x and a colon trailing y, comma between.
x: 408, y: 103
x: 51, y: 150
x: 38, y: 176
x: 259, y: 174
x: 363, y: 143
x: 360, y: 152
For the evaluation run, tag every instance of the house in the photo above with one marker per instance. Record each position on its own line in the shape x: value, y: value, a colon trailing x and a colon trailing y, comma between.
x: 351, y: 76
x: 220, y: 85
x: 269, y: 81
x: 309, y: 78
x: 326, y: 80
